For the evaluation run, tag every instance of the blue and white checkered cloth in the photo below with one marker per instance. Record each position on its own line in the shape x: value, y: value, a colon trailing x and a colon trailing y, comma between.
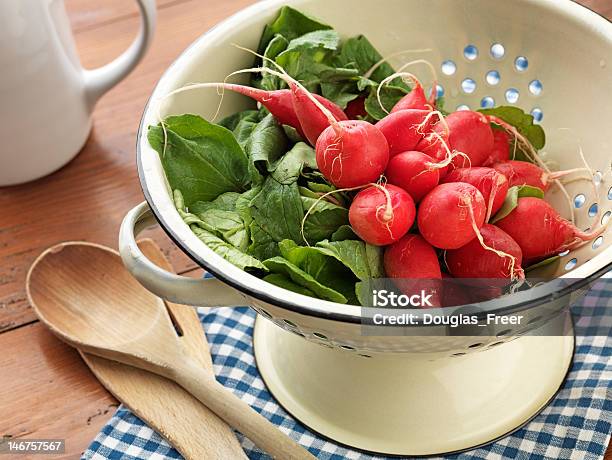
x: 576, y: 425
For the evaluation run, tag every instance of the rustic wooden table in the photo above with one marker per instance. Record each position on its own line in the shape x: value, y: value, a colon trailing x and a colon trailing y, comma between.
x: 45, y: 389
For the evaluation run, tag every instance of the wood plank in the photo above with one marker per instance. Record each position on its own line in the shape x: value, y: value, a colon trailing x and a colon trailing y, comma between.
x: 87, y: 199
x: 47, y: 392
x: 85, y: 14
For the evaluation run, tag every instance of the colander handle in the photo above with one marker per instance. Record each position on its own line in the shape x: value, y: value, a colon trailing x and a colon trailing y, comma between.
x: 208, y: 292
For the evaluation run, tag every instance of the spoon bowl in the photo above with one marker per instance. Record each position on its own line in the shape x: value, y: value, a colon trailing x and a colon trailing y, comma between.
x: 87, y: 298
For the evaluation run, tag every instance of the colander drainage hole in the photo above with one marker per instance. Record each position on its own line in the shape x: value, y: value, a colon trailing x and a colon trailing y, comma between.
x: 463, y: 107
x: 468, y: 85
x: 512, y: 95
x: 497, y: 51
x: 476, y: 345
x: 571, y: 264
x: 449, y: 67
x: 597, y: 177
x: 593, y: 210
x: 347, y: 347
x: 564, y: 253
x: 492, y: 77
x: 365, y: 356
x: 318, y: 335
x: 439, y: 91
x: 290, y: 323
x: 502, y: 333
x: 534, y: 320
x: 537, y: 114
x: 521, y: 63
x: 610, y: 194
x: 263, y: 312
x: 494, y: 344
x: 597, y: 242
x: 606, y: 217
x: 487, y: 102
x: 535, y: 87
x: 579, y: 200
x: 470, y: 52
x: 458, y: 354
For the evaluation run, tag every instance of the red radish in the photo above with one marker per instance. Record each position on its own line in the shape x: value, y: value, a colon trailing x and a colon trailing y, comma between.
x: 381, y: 214
x: 524, y: 173
x: 312, y: 119
x: 415, y: 99
x: 470, y: 133
x: 500, y: 257
x: 279, y: 102
x: 413, y: 171
x: 501, y: 148
x: 450, y: 215
x: 352, y: 153
x: 492, y: 184
x: 540, y: 231
x: 404, y: 129
x: 453, y: 292
x: 412, y: 258
x: 436, y: 146
x: 349, y: 153
x: 356, y: 108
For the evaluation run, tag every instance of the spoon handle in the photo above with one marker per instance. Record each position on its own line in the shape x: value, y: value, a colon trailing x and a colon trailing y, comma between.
x: 238, y: 414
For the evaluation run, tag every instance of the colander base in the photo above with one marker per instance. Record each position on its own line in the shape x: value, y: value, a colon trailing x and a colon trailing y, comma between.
x: 411, y: 405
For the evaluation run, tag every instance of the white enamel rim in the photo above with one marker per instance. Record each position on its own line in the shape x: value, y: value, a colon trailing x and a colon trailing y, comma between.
x: 154, y: 187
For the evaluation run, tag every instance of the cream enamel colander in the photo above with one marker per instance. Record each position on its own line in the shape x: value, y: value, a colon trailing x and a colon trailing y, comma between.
x: 427, y: 391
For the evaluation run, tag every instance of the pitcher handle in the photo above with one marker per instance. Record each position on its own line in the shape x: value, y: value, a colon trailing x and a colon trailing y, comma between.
x: 208, y: 292
x: 99, y: 81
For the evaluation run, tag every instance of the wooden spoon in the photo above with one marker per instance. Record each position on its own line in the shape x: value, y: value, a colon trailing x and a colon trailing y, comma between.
x: 85, y: 296
x: 190, y: 427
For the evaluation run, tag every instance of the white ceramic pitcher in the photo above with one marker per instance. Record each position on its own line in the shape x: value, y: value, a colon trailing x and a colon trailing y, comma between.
x: 46, y: 97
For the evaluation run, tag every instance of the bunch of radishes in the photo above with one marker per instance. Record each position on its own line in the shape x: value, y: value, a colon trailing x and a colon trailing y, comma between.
x: 451, y: 174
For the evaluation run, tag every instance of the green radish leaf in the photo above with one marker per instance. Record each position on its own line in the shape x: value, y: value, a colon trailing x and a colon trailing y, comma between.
x: 543, y: 263
x: 228, y: 251
x: 282, y: 266
x: 359, y: 53
x: 292, y: 134
x: 321, y: 265
x: 201, y: 159
x: 278, y: 210
x: 389, y: 96
x: 267, y: 81
x: 284, y: 282
x: 341, y: 93
x: 263, y: 246
x: 211, y: 233
x: 266, y: 144
x: 288, y: 169
x: 363, y: 259
x: 344, y: 233
x: 317, y: 40
x: 229, y: 225
x: 225, y: 202
x: 524, y: 124
x: 306, y: 192
x: 231, y: 122
x: 324, y: 218
x: 291, y: 24
x: 512, y: 197
x: 243, y: 204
